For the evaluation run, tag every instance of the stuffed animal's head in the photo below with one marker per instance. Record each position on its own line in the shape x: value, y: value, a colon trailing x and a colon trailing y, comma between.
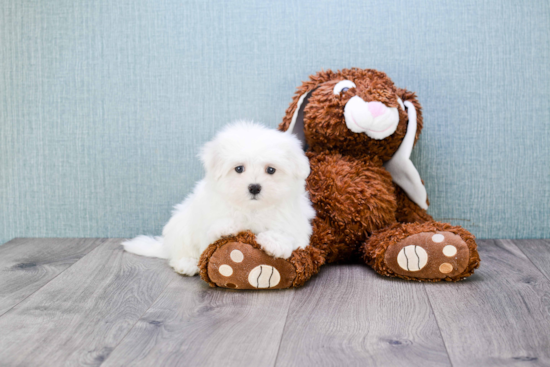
x: 360, y: 111
x: 355, y: 110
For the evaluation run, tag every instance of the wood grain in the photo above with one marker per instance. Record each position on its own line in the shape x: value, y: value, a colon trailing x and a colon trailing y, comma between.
x: 538, y: 251
x: 27, y: 264
x: 498, y: 317
x: 71, y: 302
x: 349, y: 316
x: 82, y: 315
x: 192, y: 324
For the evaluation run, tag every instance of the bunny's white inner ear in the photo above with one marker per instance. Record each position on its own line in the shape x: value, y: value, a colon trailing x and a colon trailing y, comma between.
x: 297, y: 123
x: 402, y: 170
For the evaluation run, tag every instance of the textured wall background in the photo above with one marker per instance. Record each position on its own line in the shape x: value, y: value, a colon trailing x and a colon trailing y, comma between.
x: 103, y: 104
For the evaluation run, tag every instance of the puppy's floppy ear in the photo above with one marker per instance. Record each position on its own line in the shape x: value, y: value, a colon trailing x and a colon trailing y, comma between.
x: 403, y: 171
x: 211, y: 160
x: 296, y: 159
x: 301, y: 165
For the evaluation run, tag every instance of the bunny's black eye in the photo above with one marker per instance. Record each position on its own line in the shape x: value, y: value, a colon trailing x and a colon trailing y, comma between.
x: 270, y: 170
x: 239, y: 169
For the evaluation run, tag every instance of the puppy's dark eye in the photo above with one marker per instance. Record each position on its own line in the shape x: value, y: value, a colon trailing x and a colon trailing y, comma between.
x: 239, y: 169
x: 344, y: 90
x: 270, y: 170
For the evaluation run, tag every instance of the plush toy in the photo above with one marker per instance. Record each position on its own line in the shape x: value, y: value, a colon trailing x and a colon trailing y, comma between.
x: 359, y: 130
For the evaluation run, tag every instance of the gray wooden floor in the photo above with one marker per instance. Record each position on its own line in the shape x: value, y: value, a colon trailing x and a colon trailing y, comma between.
x: 70, y: 302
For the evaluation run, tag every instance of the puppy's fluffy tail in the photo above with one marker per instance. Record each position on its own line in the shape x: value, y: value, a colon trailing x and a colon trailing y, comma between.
x: 146, y: 246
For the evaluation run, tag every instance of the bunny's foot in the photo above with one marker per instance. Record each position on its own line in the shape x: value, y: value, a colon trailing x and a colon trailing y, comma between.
x: 238, y: 262
x: 427, y: 252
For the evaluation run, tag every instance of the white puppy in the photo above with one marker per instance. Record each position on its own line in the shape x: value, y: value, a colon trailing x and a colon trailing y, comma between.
x: 255, y: 180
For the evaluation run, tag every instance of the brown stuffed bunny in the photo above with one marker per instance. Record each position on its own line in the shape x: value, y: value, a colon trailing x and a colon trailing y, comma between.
x: 371, y: 203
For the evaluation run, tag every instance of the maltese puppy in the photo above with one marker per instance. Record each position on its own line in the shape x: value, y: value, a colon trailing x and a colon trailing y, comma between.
x: 255, y: 180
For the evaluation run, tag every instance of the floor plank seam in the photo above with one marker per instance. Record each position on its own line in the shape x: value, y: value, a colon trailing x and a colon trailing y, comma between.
x: 284, y: 327
x: 137, y: 320
x: 437, y: 323
x: 101, y: 241
x: 531, y: 261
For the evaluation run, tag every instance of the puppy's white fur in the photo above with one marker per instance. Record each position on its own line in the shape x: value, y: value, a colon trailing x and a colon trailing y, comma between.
x: 221, y: 204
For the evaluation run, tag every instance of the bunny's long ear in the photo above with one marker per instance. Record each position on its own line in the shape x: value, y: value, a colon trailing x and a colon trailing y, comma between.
x: 296, y: 126
x: 403, y: 171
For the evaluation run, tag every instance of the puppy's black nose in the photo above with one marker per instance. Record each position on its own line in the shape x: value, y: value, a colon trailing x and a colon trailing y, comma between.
x: 254, y: 189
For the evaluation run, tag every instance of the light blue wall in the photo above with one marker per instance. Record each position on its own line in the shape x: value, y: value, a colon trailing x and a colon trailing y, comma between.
x: 103, y: 104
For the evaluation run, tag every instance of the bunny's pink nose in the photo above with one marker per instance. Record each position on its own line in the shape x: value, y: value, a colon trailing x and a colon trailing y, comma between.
x: 377, y: 109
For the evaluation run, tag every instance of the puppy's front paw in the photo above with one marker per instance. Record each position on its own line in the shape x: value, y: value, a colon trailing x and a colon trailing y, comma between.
x: 275, y: 244
x: 185, y: 266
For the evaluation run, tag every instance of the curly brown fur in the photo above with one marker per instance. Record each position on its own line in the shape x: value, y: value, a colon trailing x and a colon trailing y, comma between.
x: 307, y: 263
x: 354, y: 196
x: 375, y: 247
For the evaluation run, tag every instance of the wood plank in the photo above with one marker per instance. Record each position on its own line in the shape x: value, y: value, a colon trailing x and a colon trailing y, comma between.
x: 27, y: 264
x: 194, y: 325
x: 349, y: 316
x: 538, y: 251
x: 498, y: 317
x: 80, y: 317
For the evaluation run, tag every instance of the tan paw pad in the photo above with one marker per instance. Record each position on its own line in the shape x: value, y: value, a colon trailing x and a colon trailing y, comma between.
x: 445, y: 268
x: 264, y: 276
x: 449, y: 251
x: 225, y: 270
x: 237, y: 256
x: 412, y: 258
x: 438, y: 238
